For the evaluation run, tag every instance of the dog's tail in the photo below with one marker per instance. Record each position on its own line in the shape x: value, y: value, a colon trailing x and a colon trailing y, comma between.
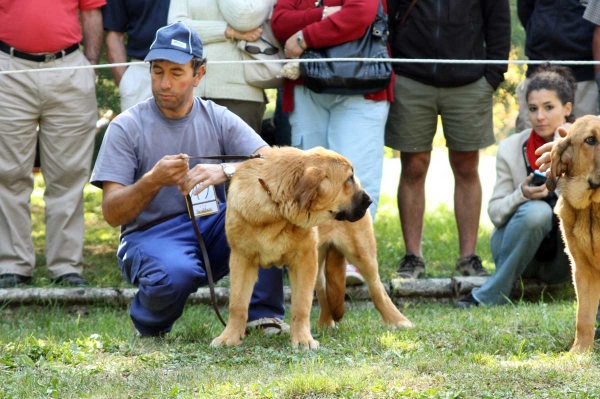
x: 335, y: 276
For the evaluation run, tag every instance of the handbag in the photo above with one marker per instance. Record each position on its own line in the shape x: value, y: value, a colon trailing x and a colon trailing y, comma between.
x: 351, y: 77
x: 263, y: 75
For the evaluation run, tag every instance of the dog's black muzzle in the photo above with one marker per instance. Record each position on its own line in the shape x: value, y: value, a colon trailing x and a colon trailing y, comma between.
x: 360, y: 205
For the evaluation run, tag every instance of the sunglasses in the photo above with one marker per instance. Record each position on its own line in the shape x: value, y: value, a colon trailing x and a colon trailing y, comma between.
x: 256, y: 50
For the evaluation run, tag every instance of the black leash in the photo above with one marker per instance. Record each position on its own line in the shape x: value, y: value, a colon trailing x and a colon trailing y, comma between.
x: 190, y: 208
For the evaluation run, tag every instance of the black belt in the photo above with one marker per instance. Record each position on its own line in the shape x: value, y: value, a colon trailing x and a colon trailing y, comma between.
x: 37, y: 57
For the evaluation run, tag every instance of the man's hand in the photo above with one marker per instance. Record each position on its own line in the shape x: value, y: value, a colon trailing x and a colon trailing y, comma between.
x: 205, y: 175
x: 543, y: 162
x: 171, y: 170
x: 122, y: 204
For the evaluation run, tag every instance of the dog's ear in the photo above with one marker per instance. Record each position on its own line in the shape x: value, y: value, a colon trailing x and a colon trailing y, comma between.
x: 561, y: 157
x: 308, y: 185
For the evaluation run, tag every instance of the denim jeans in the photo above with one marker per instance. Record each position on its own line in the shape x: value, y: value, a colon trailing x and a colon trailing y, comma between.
x: 347, y: 124
x: 513, y: 248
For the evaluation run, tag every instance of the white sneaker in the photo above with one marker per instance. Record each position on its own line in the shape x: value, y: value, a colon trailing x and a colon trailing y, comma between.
x: 353, y: 276
x: 269, y: 326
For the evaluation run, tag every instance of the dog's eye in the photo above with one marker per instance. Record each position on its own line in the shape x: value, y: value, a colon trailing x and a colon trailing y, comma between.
x: 591, y: 140
x: 351, y: 179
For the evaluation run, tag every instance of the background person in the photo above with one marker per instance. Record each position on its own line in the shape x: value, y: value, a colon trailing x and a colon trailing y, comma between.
x: 225, y: 83
x: 143, y: 172
x: 592, y: 14
x: 525, y: 241
x: 461, y: 94
x: 352, y: 125
x: 63, y: 104
x: 139, y: 20
x: 568, y: 39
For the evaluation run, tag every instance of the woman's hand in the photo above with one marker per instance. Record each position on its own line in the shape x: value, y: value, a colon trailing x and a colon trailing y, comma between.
x: 533, y: 192
x: 332, y: 10
x: 292, y: 48
x: 543, y: 162
x: 249, y: 36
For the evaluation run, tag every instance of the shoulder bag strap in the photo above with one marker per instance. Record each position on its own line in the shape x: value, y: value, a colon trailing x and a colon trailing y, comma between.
x: 405, y: 16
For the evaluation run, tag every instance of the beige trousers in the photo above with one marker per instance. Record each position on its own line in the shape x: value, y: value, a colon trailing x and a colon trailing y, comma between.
x: 135, y: 85
x: 63, y: 103
x: 586, y: 102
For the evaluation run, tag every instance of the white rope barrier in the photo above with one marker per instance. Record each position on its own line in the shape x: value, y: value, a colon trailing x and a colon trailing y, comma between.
x: 392, y: 60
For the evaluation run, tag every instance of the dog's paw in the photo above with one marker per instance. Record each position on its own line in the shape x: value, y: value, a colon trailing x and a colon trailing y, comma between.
x: 304, y: 341
x: 403, y: 324
x: 326, y: 323
x: 226, y: 340
x: 309, y: 344
x: 577, y: 348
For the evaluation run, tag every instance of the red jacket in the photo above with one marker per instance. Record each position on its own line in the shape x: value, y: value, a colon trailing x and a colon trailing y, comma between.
x: 350, y: 23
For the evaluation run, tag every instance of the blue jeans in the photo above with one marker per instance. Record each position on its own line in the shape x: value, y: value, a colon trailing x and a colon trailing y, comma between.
x: 513, y: 248
x: 347, y: 124
x: 165, y: 262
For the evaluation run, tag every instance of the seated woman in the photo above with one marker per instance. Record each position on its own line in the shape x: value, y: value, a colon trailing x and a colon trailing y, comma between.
x: 526, y: 241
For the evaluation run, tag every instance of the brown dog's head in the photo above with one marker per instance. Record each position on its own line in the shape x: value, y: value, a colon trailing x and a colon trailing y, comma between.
x: 315, y: 186
x: 577, y: 159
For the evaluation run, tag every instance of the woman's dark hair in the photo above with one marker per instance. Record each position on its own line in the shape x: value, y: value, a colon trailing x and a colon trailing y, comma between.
x: 556, y: 78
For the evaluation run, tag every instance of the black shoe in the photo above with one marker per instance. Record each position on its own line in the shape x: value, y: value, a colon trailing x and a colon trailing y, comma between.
x: 9, y: 280
x: 467, y: 302
x: 71, y: 279
x: 411, y: 266
x: 471, y: 265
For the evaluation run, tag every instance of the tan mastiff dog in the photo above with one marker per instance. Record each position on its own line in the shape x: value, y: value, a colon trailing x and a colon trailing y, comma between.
x: 275, y: 205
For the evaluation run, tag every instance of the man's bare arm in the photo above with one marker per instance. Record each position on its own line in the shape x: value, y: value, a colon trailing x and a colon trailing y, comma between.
x: 122, y: 204
x: 116, y: 52
x: 91, y: 21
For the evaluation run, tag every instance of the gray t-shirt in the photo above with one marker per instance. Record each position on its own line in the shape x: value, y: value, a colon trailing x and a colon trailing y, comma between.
x: 139, y: 137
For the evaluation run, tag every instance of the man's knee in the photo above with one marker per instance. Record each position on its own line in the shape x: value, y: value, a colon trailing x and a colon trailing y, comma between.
x: 164, y: 288
x: 414, y: 165
x: 465, y: 165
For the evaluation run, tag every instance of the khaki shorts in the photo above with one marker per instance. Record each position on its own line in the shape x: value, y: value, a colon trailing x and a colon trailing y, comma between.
x: 466, y: 113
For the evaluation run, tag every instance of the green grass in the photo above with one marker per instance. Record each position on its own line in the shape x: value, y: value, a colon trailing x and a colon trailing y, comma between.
x: 512, y: 351
x: 504, y: 352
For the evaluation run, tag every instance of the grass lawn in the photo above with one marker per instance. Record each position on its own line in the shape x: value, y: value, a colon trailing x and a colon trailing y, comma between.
x: 504, y: 352
x: 512, y: 351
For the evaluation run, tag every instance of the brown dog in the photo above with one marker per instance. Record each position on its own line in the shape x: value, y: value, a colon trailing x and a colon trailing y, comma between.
x: 577, y: 159
x: 273, y: 209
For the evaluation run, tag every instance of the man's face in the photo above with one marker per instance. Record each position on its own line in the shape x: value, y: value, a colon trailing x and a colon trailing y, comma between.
x: 173, y: 85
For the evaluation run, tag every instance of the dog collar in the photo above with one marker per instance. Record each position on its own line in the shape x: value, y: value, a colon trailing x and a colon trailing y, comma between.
x: 264, y: 186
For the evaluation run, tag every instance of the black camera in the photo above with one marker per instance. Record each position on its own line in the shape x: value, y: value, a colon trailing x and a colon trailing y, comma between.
x: 538, y: 178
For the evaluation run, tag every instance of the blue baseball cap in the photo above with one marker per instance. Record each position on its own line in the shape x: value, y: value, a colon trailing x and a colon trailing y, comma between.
x: 176, y: 43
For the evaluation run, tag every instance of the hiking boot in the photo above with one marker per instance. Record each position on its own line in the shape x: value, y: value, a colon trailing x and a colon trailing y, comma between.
x: 71, y: 279
x: 9, y: 280
x: 269, y: 326
x: 470, y: 265
x: 467, y: 302
x: 411, y: 266
x: 353, y: 276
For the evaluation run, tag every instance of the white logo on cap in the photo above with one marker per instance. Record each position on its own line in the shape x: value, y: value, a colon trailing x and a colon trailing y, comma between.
x: 178, y: 44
